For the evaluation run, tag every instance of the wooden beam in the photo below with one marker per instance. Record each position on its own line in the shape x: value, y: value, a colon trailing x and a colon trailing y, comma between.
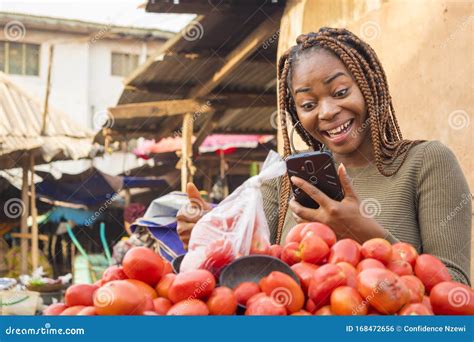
x: 239, y: 55
x: 24, y: 217
x: 159, y: 109
x: 34, y: 213
x: 48, y: 89
x: 204, y: 131
x: 186, y: 151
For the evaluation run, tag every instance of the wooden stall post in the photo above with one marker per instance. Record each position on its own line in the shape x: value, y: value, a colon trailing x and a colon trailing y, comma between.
x: 187, y: 151
x: 24, y: 217
x: 34, y: 225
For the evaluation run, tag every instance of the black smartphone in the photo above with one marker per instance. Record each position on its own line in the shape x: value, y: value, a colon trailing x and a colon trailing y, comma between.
x: 318, y: 169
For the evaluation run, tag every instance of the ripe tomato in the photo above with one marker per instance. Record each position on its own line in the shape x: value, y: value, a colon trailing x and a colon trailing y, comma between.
x: 191, y: 307
x: 400, y: 267
x: 163, y: 286
x: 143, y: 287
x: 265, y: 306
x: 275, y: 251
x: 431, y: 271
x: 313, y: 249
x: 255, y: 297
x: 113, y: 273
x: 325, y: 279
x: 119, y: 297
x: 222, y: 302
x: 87, y: 311
x: 350, y: 272
x: 197, y: 284
x: 301, y: 313
x: 260, y: 244
x: 291, y: 253
x: 294, y: 235
x: 452, y: 298
x: 162, y: 305
x: 379, y: 249
x: 72, y: 310
x: 321, y: 230
x: 310, y: 306
x: 383, y: 289
x: 404, y: 251
x: 143, y: 264
x: 369, y: 263
x: 415, y: 288
x: 324, y: 311
x: 345, y: 300
x: 219, y: 253
x: 345, y: 250
x: 284, y: 290
x: 80, y: 294
x: 244, y: 291
x: 167, y: 268
x: 415, y: 309
x: 304, y: 271
x: 54, y: 309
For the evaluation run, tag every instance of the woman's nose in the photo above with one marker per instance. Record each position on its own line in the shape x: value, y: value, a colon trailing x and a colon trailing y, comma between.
x: 328, y: 109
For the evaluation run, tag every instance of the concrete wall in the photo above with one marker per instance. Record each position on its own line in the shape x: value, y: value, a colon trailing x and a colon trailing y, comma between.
x: 426, y: 48
x: 82, y: 84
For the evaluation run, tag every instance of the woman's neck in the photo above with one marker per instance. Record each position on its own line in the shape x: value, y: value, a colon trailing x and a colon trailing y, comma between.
x: 360, y: 157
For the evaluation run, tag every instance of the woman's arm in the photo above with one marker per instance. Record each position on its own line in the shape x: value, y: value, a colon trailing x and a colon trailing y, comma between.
x: 445, y: 210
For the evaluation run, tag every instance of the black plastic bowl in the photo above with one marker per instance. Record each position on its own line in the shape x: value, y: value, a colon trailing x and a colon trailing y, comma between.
x: 253, y: 268
x: 176, y: 263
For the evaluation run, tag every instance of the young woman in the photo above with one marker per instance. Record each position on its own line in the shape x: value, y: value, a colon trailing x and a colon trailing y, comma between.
x: 335, y: 92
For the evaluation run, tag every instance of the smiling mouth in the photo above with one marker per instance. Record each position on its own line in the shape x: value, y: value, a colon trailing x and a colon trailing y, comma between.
x: 340, y: 130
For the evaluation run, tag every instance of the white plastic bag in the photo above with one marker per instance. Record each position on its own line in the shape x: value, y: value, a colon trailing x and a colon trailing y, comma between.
x: 236, y: 227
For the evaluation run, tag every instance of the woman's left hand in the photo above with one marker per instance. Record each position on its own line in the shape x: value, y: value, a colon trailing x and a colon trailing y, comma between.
x: 344, y: 217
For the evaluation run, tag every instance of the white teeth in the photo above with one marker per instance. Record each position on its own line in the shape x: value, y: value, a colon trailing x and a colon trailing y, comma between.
x: 339, y: 129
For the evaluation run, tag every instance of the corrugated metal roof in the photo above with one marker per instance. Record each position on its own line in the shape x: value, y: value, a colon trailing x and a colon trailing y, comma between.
x: 20, y: 129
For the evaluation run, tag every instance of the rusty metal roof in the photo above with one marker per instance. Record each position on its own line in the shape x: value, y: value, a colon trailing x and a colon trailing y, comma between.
x: 20, y: 129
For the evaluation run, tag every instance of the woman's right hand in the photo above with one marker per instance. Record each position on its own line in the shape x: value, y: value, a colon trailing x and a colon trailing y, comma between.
x: 189, y: 214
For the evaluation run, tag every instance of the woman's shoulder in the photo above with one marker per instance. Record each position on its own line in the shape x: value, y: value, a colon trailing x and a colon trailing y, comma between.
x: 432, y: 151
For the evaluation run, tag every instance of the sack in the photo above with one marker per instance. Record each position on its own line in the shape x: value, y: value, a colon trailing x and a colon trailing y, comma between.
x: 236, y: 227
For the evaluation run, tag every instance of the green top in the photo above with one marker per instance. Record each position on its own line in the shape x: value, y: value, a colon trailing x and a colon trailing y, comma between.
x: 427, y: 203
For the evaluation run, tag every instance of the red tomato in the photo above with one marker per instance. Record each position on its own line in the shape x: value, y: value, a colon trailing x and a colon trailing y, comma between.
x: 162, y: 305
x: 345, y: 250
x: 313, y: 249
x: 119, y: 297
x: 291, y: 253
x: 310, y: 306
x: 301, y: 313
x: 72, y: 310
x: 431, y: 271
x: 400, y: 267
x: 113, y: 273
x: 369, y: 263
x: 294, y: 235
x: 260, y: 244
x: 452, y: 298
x: 304, y: 271
x: 244, y: 291
x: 275, y: 251
x: 350, y: 272
x: 415, y: 309
x: 80, y: 294
x: 377, y: 248
x: 219, y: 254
x: 404, y: 251
x: 54, y: 309
x: 197, y: 284
x: 222, y: 302
x: 345, y: 300
x: 265, y: 306
x: 415, y: 288
x: 143, y: 287
x: 321, y: 230
x: 255, y: 297
x: 325, y: 279
x: 190, y: 307
x: 143, y: 264
x: 163, y: 286
x: 383, y: 289
x: 167, y: 268
x: 88, y: 311
x: 284, y: 290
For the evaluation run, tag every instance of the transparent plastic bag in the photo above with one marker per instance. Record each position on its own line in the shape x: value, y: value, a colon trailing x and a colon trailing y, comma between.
x: 236, y: 227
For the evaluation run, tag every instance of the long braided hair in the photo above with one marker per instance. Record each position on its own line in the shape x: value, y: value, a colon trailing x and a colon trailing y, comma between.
x: 362, y: 62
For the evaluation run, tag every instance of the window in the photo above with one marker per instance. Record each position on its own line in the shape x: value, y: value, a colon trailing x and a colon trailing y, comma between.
x: 123, y: 63
x: 19, y: 58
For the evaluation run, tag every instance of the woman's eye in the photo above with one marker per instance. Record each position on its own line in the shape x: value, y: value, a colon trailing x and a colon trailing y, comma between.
x: 308, y: 106
x: 341, y: 93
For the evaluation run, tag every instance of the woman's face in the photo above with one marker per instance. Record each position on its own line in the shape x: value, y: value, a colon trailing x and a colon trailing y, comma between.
x: 329, y: 103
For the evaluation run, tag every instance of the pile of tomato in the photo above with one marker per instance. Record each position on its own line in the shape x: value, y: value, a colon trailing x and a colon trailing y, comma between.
x: 335, y: 278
